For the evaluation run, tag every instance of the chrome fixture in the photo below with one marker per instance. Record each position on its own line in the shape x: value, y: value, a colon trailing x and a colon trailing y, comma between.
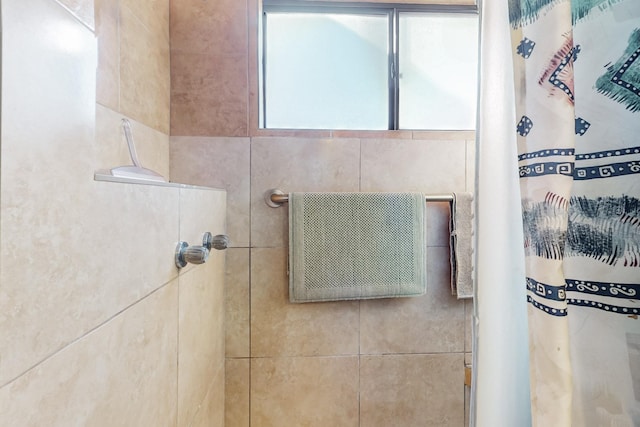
x: 275, y: 198
x: 218, y: 242
x: 199, y: 254
x: 192, y: 254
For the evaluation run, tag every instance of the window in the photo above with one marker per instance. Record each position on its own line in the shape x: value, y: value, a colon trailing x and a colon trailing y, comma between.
x: 368, y: 66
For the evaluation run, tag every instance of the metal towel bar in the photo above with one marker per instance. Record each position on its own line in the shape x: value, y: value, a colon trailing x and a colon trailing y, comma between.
x: 276, y: 198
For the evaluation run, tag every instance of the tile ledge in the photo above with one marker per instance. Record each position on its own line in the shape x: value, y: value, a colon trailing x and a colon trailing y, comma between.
x: 105, y: 176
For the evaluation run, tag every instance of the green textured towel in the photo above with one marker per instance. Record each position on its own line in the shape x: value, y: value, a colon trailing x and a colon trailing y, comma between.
x: 346, y: 246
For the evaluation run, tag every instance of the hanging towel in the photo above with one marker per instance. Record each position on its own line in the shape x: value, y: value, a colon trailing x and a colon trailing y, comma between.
x: 461, y: 245
x: 345, y: 246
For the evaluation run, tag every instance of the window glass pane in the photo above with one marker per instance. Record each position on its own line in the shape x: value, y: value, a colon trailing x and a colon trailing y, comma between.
x: 326, y: 71
x: 438, y: 55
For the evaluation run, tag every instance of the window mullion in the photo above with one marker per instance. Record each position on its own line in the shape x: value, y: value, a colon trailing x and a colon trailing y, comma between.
x: 393, y: 69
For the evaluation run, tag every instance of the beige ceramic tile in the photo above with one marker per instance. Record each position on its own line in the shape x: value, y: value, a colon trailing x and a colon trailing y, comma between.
x: 438, y: 217
x: 151, y: 146
x: 201, y: 334
x: 211, y: 410
x: 220, y: 163
x: 304, y: 391
x: 208, y: 94
x: 218, y: 27
x: 144, y: 73
x: 412, y: 390
x: 139, y: 226
x: 201, y: 210
x: 97, y: 260
x: 237, y: 314
x: 440, y: 135
x: 279, y: 328
x: 121, y: 374
x: 468, y: 324
x: 432, y: 323
x: 413, y: 165
x: 236, y: 393
x: 82, y: 9
x: 296, y: 164
x: 201, y: 319
x: 153, y: 14
x: 74, y: 252
x: 108, y: 72
x: 471, y: 165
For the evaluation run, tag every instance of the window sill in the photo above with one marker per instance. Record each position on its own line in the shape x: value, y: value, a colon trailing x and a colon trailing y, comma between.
x: 373, y: 134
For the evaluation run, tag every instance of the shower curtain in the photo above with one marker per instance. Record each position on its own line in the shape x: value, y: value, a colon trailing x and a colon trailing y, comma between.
x: 577, y: 93
x: 500, y: 383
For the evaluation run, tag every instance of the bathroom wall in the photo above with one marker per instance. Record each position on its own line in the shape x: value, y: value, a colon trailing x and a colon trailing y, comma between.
x: 133, y: 79
x: 378, y: 362
x: 97, y: 325
x: 370, y: 363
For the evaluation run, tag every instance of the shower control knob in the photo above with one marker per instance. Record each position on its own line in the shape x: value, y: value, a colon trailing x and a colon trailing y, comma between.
x: 190, y: 254
x: 196, y: 254
x: 219, y: 242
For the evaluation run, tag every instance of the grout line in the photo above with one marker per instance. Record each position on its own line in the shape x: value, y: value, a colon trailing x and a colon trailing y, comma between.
x: 177, y: 392
x: 344, y: 356
x: 359, y: 392
x: 119, y: 56
x: 360, y: 164
x: 250, y: 355
x: 250, y: 250
x: 249, y: 117
x: 178, y: 318
x: 178, y: 348
x: 88, y: 332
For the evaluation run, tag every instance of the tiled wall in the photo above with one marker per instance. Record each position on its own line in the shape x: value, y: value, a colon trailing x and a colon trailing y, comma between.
x: 209, y: 68
x: 338, y: 363
x: 97, y: 325
x: 133, y: 79
x: 214, y: 63
x: 133, y: 59
x: 370, y: 363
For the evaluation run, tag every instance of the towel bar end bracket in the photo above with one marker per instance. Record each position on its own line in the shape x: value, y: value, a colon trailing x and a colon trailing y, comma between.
x: 275, y: 198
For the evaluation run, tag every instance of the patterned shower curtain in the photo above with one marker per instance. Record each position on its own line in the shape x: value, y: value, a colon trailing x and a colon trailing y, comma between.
x: 577, y: 77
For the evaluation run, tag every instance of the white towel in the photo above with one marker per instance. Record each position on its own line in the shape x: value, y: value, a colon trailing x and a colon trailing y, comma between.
x: 346, y: 246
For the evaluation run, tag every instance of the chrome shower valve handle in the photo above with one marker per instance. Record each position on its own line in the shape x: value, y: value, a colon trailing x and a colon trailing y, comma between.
x: 190, y: 254
x: 218, y: 242
x: 199, y: 254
